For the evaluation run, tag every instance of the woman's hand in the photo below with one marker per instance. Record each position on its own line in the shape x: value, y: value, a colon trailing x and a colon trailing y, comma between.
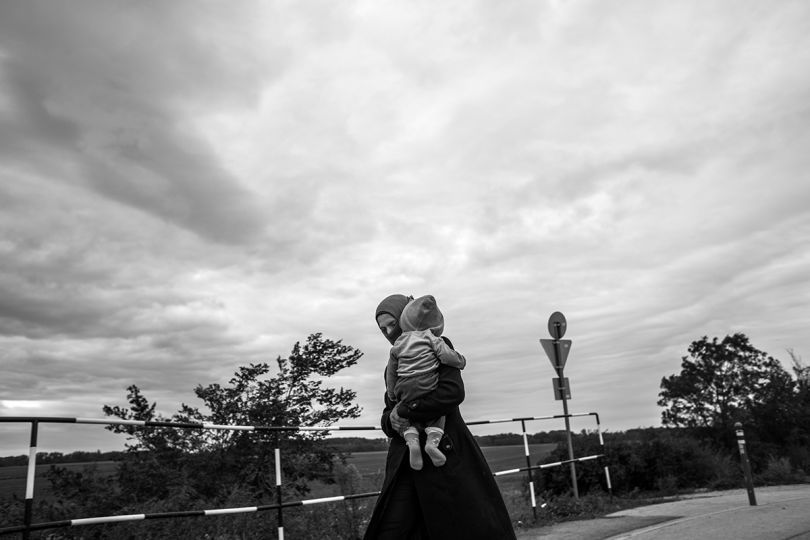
x: 397, y: 422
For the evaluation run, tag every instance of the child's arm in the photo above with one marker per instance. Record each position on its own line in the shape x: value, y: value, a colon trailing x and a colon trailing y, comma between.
x: 391, y: 376
x: 446, y: 354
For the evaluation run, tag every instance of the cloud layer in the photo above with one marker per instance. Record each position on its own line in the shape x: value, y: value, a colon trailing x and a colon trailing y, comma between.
x: 188, y: 187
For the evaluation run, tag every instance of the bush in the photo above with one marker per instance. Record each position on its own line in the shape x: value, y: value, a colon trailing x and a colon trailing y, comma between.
x: 779, y: 471
x: 728, y: 474
x: 667, y: 463
x: 799, y: 458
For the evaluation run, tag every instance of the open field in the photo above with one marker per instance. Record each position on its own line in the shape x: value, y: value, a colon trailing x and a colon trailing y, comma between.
x: 12, y: 479
x: 499, y: 457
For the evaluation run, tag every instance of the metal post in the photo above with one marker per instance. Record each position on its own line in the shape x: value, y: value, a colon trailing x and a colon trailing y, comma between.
x: 528, y: 468
x: 746, y: 465
x: 602, y: 444
x: 278, y: 489
x: 29, y: 481
x: 559, y: 369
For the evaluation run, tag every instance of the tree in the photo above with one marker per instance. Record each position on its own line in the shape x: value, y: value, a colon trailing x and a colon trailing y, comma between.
x: 212, y: 463
x: 799, y: 440
x: 801, y: 371
x: 722, y: 383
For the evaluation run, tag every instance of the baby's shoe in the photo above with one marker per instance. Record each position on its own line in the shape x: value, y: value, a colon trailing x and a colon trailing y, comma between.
x: 414, y: 451
x: 434, y: 437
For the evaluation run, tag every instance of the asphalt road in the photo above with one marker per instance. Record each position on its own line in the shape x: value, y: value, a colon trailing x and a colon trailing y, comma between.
x: 782, y: 513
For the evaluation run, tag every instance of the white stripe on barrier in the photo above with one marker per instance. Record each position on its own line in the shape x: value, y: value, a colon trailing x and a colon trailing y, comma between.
x: 107, y: 519
x: 281, y: 533
x: 278, y: 467
x: 526, y: 444
x: 338, y: 428
x: 221, y: 511
x: 548, y: 465
x: 531, y: 489
x: 32, y: 470
x: 607, y: 477
x: 206, y: 425
x: 510, y: 471
x: 323, y: 500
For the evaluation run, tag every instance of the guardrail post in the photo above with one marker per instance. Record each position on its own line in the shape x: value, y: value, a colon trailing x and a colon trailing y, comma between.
x: 602, y: 444
x: 278, y: 488
x: 29, y: 480
x: 571, y: 465
x: 528, y: 468
x: 746, y: 465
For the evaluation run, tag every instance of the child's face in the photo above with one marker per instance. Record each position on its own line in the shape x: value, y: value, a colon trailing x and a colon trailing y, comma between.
x: 389, y: 326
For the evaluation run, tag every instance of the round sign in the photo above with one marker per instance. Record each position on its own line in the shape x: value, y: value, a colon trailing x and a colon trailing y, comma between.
x: 556, y: 325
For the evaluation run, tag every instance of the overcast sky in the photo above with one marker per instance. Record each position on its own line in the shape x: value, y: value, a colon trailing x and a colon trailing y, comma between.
x: 188, y: 187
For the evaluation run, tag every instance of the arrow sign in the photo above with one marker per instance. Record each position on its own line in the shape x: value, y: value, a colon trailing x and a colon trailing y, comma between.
x: 557, y: 351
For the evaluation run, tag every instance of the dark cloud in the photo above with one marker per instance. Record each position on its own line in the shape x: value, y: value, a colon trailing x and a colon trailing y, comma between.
x: 184, y: 185
x: 114, y: 115
x: 166, y: 174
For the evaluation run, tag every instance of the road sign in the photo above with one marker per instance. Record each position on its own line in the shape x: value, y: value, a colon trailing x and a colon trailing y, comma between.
x: 557, y: 351
x: 556, y: 325
x: 560, y: 387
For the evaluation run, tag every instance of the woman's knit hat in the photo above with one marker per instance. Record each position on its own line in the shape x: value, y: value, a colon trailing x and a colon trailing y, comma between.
x: 393, y: 305
x: 422, y: 314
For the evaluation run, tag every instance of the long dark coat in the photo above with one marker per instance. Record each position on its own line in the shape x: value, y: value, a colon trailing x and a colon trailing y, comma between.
x: 459, y: 500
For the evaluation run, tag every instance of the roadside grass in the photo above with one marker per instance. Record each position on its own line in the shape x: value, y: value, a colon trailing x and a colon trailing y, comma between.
x: 557, y: 509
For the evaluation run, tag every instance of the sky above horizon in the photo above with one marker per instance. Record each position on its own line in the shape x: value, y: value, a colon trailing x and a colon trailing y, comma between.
x: 189, y: 187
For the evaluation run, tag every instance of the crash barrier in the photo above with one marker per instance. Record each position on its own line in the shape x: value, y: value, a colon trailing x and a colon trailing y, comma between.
x: 27, y: 526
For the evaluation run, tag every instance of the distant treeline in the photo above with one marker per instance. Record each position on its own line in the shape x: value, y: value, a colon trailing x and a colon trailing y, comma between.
x: 47, y: 458
x: 337, y: 444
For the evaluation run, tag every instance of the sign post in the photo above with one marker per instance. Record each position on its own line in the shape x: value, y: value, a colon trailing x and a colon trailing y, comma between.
x: 746, y: 465
x: 557, y: 350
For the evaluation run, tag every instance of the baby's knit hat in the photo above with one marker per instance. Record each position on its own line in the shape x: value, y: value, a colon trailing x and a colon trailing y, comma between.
x: 422, y: 314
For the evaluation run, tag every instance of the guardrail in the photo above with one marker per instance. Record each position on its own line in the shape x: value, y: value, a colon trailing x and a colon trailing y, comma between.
x: 27, y: 526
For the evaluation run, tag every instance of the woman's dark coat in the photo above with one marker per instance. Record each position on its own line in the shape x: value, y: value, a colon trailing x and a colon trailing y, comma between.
x: 459, y: 500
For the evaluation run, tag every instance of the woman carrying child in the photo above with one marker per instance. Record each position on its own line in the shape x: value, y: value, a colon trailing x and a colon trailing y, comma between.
x: 456, y: 500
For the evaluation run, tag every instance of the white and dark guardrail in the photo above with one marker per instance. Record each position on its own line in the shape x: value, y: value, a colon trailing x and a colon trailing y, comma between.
x: 27, y: 526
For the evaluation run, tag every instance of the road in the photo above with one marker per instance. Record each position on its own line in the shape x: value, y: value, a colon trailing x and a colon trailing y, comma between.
x: 782, y: 513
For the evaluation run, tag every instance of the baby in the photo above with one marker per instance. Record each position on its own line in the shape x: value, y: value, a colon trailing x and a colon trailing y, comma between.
x: 413, y: 371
